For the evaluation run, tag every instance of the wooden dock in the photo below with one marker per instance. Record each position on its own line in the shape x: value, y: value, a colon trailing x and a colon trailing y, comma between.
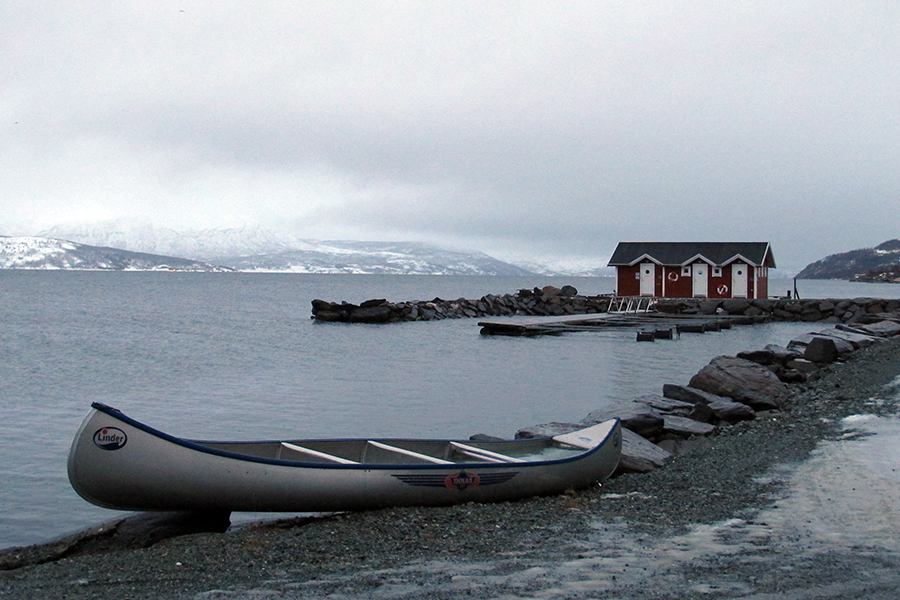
x: 650, y: 325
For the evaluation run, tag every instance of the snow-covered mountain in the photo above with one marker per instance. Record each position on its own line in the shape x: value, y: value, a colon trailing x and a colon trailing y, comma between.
x: 255, y: 248
x: 54, y: 254
x: 400, y: 258
x: 395, y: 258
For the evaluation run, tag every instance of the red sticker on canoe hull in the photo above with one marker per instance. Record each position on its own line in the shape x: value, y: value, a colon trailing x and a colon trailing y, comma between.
x: 462, y: 481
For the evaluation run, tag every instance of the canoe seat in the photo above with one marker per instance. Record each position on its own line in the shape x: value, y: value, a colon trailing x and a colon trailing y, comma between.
x: 406, y: 452
x: 318, y: 454
x: 483, y: 454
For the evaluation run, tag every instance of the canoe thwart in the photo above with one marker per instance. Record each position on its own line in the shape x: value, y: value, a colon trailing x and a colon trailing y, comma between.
x: 318, y: 454
x: 411, y: 453
x: 484, y: 454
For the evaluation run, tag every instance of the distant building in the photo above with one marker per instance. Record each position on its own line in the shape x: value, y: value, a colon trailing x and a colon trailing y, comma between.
x: 693, y: 269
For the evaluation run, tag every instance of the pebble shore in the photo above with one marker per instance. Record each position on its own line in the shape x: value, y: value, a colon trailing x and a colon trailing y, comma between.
x: 602, y: 542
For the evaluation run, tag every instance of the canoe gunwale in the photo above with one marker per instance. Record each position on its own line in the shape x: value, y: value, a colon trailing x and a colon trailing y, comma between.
x: 198, y: 446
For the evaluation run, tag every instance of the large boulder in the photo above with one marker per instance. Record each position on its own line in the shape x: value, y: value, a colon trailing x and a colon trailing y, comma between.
x: 724, y: 410
x: 331, y: 311
x: 736, y: 306
x: 688, y: 394
x: 640, y: 455
x: 673, y: 307
x: 371, y: 314
x: 859, y: 340
x: 635, y: 416
x: 666, y: 406
x: 549, y: 291
x: 802, y: 342
x: 821, y: 350
x: 741, y: 380
x: 783, y: 355
x: 761, y: 357
x: 703, y: 413
x: 684, y: 427
x: 882, y: 328
x: 547, y: 430
x: 729, y: 411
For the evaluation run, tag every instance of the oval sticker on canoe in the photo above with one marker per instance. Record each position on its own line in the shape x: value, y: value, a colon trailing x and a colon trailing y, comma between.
x: 462, y: 481
x: 110, y: 438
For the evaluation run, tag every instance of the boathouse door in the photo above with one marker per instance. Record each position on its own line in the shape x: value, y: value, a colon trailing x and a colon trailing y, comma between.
x: 738, y: 280
x: 648, y: 279
x: 700, y: 275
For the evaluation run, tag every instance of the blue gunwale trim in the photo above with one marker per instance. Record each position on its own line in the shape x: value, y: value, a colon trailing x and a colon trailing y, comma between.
x: 198, y: 446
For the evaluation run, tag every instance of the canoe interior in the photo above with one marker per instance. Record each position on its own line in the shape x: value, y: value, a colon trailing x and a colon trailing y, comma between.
x: 370, y: 453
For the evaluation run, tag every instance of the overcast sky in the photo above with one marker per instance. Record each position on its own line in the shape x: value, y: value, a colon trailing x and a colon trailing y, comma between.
x: 520, y: 129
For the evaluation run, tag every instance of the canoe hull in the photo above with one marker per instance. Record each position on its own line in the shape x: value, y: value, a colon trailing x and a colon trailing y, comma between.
x: 118, y: 463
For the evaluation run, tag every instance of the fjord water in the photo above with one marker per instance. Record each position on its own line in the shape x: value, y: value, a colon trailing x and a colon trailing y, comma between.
x: 236, y: 356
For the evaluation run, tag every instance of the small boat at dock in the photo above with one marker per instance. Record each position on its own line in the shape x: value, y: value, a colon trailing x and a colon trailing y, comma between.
x: 120, y: 463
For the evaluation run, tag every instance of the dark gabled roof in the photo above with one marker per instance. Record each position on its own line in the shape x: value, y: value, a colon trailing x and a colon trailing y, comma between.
x: 681, y: 253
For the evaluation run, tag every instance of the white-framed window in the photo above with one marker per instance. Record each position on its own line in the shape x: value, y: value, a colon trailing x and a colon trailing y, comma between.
x: 686, y: 271
x: 717, y: 271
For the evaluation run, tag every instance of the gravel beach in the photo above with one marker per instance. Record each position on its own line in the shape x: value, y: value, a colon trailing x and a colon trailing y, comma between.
x: 719, y: 520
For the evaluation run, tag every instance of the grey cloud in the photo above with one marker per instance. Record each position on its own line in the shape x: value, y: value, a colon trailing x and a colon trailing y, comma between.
x: 510, y: 125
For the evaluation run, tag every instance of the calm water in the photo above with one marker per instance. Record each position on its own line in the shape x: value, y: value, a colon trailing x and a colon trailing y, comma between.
x: 236, y: 356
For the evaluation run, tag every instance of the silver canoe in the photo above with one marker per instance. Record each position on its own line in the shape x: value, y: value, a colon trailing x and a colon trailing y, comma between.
x: 117, y: 462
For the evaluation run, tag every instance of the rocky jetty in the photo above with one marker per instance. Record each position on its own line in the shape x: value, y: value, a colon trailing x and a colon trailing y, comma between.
x: 545, y: 301
x: 730, y: 389
x: 553, y: 301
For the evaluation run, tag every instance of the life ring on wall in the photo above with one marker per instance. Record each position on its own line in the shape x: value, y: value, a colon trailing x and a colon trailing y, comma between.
x: 673, y: 276
x: 722, y: 289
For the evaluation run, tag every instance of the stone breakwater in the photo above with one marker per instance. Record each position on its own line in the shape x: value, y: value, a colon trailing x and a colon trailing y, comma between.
x: 553, y: 301
x: 728, y: 390
x: 545, y: 301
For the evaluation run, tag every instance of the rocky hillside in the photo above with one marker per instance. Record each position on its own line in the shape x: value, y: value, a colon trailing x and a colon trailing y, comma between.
x: 52, y: 254
x: 856, y: 263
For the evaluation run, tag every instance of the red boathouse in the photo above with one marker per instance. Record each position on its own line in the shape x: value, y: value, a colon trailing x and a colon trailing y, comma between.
x: 693, y: 269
